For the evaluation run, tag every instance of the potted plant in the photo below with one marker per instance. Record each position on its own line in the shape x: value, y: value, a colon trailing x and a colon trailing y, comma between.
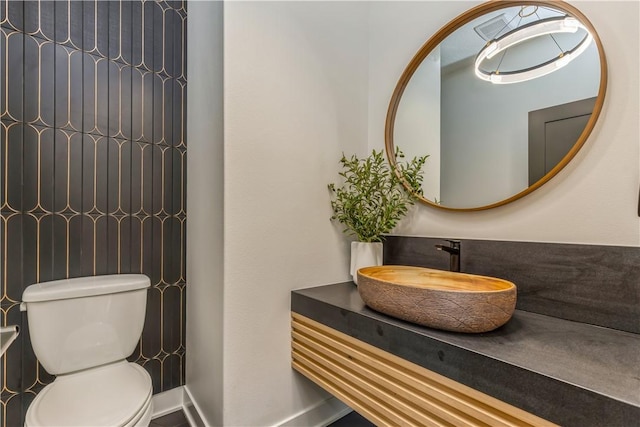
x: 371, y: 200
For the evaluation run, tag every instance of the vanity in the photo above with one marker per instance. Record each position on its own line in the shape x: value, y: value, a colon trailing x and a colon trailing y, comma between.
x: 543, y: 367
x: 566, y: 372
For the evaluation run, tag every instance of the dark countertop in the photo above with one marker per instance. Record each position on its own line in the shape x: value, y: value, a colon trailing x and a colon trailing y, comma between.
x: 567, y: 372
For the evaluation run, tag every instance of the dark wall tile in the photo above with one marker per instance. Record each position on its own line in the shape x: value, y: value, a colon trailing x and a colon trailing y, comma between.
x: 113, y: 170
x: 113, y: 260
x: 156, y: 250
x: 93, y: 163
x: 157, y: 194
x: 45, y: 171
x: 137, y: 31
x: 13, y: 14
x: 88, y: 173
x: 158, y: 36
x: 88, y: 93
x: 30, y: 147
x: 76, y: 107
x: 124, y: 245
x: 177, y: 110
x: 148, y: 32
x: 126, y: 103
x: 76, y: 147
x: 102, y: 96
x: 167, y: 180
x: 102, y: 175
x: 102, y: 28
x: 45, y: 247
x: 12, y: 150
x: 137, y: 99
x: 172, y: 371
x: 167, y: 116
x: 31, y: 17
x: 152, y: 336
x: 47, y: 19
x: 59, y: 246
x: 76, y: 21
x: 30, y: 236
x: 171, y: 25
x: 46, y: 64
x: 147, y: 107
x: 61, y: 21
x: 171, y: 318
x: 13, y: 271
x: 136, y: 178
x: 61, y: 183
x: 12, y: 380
x: 126, y: 32
x: 124, y: 181
x: 62, y: 88
x: 75, y: 245
x: 88, y: 226
x: 158, y: 116
x: 171, y: 247
x: 135, y: 249
x: 115, y: 30
x: 16, y: 77
x: 115, y: 99
x: 89, y: 26
x: 3, y: 70
x: 12, y: 407
x: 154, y: 367
x: 177, y: 181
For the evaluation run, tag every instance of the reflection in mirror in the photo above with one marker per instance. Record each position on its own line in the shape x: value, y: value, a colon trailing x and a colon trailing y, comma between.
x: 492, y: 143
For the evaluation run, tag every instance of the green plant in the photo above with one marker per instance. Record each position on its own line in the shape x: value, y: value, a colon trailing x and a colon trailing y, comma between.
x: 372, y: 200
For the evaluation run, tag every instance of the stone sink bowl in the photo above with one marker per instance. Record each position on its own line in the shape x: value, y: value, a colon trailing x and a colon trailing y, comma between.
x: 438, y: 299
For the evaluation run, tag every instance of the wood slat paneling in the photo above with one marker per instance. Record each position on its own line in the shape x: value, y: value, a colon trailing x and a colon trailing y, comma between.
x: 389, y: 390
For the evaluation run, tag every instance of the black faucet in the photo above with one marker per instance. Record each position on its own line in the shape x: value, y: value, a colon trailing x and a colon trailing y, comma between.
x: 454, y: 253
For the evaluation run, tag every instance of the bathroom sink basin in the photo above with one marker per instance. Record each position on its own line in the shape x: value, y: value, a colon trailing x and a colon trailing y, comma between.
x: 438, y: 299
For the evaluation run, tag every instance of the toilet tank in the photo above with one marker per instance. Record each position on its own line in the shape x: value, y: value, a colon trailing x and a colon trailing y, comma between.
x: 85, y: 322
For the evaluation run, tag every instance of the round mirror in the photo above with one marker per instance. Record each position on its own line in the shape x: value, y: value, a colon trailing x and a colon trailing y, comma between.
x: 501, y: 99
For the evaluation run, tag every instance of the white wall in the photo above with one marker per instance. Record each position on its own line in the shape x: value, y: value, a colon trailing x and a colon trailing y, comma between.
x: 295, y: 99
x: 594, y: 199
x: 303, y: 82
x: 205, y: 228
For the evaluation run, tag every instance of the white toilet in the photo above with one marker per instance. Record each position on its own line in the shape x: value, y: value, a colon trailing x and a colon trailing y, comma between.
x: 82, y: 330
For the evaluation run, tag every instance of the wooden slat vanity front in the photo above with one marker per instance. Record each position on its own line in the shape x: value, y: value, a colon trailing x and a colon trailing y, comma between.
x: 390, y: 391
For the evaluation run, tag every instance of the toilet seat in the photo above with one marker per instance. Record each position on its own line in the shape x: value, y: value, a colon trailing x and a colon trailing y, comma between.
x: 117, y: 394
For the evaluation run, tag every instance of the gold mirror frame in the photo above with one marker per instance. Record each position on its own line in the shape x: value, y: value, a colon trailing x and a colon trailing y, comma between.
x: 440, y: 36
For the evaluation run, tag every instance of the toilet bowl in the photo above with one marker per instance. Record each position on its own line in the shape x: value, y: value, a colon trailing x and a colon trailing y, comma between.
x: 82, y: 330
x: 113, y: 395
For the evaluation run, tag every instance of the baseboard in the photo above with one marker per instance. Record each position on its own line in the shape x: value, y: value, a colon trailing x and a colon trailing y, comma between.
x: 319, y: 415
x: 167, y: 402
x: 192, y: 411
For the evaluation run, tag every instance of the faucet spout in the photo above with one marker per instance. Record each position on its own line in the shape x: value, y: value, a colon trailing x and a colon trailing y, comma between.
x: 454, y: 254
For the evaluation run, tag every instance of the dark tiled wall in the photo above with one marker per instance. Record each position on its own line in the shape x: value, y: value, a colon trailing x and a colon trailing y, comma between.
x: 93, y: 167
x: 593, y: 284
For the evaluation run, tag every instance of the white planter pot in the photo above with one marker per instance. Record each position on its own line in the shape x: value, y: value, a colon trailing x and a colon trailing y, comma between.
x: 364, y: 254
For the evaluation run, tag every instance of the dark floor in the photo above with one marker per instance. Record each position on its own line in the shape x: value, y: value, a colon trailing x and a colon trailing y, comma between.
x: 177, y: 419
x: 353, y: 419
x: 174, y: 419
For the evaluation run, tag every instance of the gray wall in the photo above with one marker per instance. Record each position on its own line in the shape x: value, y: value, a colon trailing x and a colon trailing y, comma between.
x: 205, y: 237
x: 485, y: 136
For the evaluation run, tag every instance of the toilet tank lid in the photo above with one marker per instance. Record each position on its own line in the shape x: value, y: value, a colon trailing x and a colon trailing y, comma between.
x: 84, y: 286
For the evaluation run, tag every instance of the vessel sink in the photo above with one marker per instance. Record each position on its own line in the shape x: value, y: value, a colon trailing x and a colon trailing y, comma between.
x: 438, y: 299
